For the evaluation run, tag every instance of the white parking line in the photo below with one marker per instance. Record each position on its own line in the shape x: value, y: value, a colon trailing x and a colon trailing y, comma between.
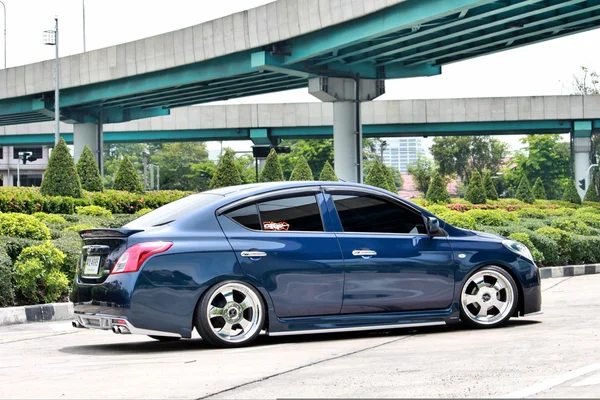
x: 550, y: 383
x: 593, y: 380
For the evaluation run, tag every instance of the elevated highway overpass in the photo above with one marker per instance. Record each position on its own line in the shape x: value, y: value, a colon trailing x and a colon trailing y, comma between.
x: 342, y: 51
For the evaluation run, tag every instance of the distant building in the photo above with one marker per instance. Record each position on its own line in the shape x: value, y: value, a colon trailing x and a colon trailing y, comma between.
x: 401, y: 152
x: 31, y: 173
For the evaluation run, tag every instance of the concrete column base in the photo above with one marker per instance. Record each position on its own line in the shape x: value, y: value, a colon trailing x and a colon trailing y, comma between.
x: 85, y: 135
x: 582, y: 147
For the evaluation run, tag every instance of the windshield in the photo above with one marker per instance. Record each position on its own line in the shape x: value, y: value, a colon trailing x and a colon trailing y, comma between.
x: 173, y: 211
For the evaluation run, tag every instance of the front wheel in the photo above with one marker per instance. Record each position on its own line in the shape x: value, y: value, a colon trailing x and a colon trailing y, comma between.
x: 488, y: 298
x: 230, y: 314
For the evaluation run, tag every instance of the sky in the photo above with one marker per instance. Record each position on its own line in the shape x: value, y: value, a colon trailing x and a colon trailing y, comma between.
x: 541, y: 69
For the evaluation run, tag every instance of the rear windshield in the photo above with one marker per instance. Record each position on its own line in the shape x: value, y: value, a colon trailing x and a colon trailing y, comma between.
x: 173, y: 211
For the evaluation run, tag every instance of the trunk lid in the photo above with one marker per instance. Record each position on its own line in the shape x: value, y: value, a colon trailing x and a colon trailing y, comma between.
x: 101, y: 250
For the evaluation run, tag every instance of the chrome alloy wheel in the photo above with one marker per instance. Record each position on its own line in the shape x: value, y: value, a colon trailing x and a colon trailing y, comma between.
x: 488, y: 297
x: 234, y: 312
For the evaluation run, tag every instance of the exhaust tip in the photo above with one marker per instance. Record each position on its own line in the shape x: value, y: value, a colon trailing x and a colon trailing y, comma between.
x: 75, y: 324
x: 115, y: 329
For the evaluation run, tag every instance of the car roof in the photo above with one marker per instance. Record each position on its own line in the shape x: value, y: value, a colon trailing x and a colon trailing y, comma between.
x: 257, y: 188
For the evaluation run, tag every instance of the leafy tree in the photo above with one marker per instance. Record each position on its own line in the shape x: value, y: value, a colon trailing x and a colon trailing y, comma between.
x: 87, y: 169
x: 421, y: 172
x: 389, y: 178
x: 490, y: 189
x: 316, y: 152
x: 302, y: 171
x: 227, y: 173
x: 539, y: 192
x: 475, y: 191
x: 524, y: 192
x: 510, y: 192
x: 272, y: 170
x: 571, y: 195
x: 183, y: 166
x: 591, y: 194
x: 127, y: 178
x: 328, y: 173
x: 60, y: 178
x: 377, y: 177
x: 246, y: 167
x: 437, y: 192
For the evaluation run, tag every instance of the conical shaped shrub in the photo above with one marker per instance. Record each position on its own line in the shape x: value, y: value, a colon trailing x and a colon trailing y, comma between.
x: 475, y: 191
x: 437, y: 192
x: 524, y: 192
x: 127, y: 178
x: 272, y: 171
x: 227, y: 173
x: 60, y: 178
x: 571, y: 195
x: 490, y: 188
x: 302, y: 171
x: 328, y: 173
x: 592, y: 194
x: 539, y: 191
x: 389, y: 177
x: 377, y: 176
x: 89, y: 174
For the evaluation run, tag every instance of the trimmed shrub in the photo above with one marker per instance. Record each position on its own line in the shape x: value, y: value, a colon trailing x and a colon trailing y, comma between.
x: 437, y: 192
x: 7, y: 295
x: 60, y: 178
x: 547, y: 246
x: 524, y: 192
x: 119, y: 202
x: 376, y: 177
x: 47, y: 253
x: 143, y: 211
x: 89, y: 174
x: 523, y: 238
x: 533, y: 224
x: 272, y: 171
x: 302, y: 171
x: 227, y: 173
x: 95, y: 211
x: 50, y: 219
x: 70, y: 244
x: 389, y: 177
x: 571, y: 194
x: 127, y: 178
x: 459, y: 220
x: 78, y: 227
x: 23, y: 226
x: 563, y: 239
x: 328, y: 173
x: 592, y: 194
x: 531, y: 212
x: 589, y: 219
x: 475, y: 191
x: 490, y: 188
x: 492, y: 217
x: 27, y: 276
x: 539, y: 192
x: 571, y: 225
x: 510, y: 192
x: 585, y: 250
x: 59, y: 205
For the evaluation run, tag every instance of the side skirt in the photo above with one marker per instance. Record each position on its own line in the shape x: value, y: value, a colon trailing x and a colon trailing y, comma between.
x: 356, y: 328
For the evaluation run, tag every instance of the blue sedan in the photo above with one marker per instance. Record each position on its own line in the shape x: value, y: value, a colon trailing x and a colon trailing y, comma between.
x: 296, y: 258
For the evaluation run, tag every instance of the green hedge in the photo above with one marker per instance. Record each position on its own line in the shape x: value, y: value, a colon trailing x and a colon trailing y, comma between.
x: 7, y: 295
x: 23, y: 226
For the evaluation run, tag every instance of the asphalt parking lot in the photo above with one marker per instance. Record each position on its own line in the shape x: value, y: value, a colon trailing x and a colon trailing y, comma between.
x: 556, y: 354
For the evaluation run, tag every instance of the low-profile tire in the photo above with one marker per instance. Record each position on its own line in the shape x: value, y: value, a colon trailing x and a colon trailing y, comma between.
x: 230, y: 314
x: 164, y: 338
x: 488, y: 298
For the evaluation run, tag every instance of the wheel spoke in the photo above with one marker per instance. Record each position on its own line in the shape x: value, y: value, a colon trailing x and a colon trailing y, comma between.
x: 215, y: 311
x: 228, y: 296
x: 499, y: 285
x: 480, y: 283
x: 470, y: 299
x: 498, y: 304
x: 226, y: 330
x: 244, y: 323
x: 483, y: 310
x: 247, y: 303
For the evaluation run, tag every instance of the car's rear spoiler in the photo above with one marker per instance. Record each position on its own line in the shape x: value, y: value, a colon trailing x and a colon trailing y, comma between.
x: 108, y: 233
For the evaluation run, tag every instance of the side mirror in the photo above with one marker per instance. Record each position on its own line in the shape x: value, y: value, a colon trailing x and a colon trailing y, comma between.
x: 433, y: 225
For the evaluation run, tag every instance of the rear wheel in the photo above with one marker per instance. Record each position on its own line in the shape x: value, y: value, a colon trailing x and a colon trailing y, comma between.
x: 164, y: 338
x: 230, y: 314
x: 488, y: 298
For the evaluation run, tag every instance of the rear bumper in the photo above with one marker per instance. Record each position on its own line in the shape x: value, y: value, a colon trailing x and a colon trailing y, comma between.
x: 115, y: 323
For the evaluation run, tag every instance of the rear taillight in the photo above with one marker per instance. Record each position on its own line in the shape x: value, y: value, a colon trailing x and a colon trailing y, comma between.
x: 134, y: 257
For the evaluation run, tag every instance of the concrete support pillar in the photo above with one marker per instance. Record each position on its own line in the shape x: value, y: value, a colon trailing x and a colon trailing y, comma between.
x: 347, y: 129
x: 582, y: 147
x: 90, y: 135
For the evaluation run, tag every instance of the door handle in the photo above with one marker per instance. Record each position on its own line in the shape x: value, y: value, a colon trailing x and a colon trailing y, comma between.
x: 364, y: 253
x: 254, y: 254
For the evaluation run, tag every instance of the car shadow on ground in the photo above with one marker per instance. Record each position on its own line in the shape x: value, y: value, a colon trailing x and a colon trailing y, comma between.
x: 152, y: 346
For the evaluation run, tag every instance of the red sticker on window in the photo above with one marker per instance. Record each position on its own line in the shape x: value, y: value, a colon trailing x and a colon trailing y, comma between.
x: 276, y: 226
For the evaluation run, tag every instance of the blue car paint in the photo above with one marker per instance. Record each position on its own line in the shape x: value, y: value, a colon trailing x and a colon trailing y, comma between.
x: 163, y: 296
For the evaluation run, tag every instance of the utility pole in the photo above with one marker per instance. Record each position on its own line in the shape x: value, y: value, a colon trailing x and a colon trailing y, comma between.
x: 83, y: 7
x: 3, y: 5
x: 51, y: 39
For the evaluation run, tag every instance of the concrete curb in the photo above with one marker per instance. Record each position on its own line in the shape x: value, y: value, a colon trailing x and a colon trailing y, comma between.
x: 64, y: 311
x: 38, y: 313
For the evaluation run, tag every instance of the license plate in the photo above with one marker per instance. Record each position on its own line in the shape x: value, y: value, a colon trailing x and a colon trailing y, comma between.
x: 91, y: 266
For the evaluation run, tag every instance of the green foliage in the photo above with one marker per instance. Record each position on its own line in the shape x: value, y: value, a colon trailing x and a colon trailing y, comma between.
x: 524, y: 192
x: 7, y: 295
x: 524, y: 239
x: 50, y: 219
x: 421, y: 172
x: 591, y: 194
x: 23, y: 226
x: 47, y: 253
x: 571, y: 195
x: 539, y: 192
x: 460, y: 220
x: 272, y: 170
x: 437, y: 192
x: 530, y: 212
x: 585, y: 250
x: 95, y: 211
x: 227, y: 173
x: 590, y: 219
x: 563, y: 239
x: 328, y: 173
x: 127, y: 178
x: 490, y: 189
x: 70, y: 244
x: 533, y: 224
x: 317, y: 152
x: 475, y: 191
x: 59, y: 205
x: 547, y: 246
x: 183, y: 166
x: 510, y: 192
x: 87, y: 169
x: 78, y: 227
x: 301, y: 171
x: 389, y: 177
x: 60, y: 178
x: 377, y: 177
x: 492, y: 217
x: 571, y: 225
x: 143, y: 211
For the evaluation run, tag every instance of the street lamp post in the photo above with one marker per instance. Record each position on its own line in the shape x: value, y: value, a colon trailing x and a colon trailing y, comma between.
x: 4, y: 6
x: 83, y: 7
x: 51, y: 39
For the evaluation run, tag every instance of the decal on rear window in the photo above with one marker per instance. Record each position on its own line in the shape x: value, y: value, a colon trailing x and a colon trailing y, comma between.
x: 276, y: 226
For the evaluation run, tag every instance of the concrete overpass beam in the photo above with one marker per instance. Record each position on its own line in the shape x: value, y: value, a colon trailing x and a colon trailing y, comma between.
x: 582, y: 147
x: 347, y: 129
